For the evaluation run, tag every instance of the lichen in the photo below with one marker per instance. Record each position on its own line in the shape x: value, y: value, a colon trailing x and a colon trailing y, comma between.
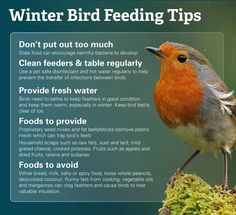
x: 193, y: 196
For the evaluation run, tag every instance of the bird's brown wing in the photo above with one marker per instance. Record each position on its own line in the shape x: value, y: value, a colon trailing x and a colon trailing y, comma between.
x: 225, y: 97
x: 233, y: 108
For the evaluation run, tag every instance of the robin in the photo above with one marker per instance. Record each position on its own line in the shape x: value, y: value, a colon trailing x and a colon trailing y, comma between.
x: 195, y: 103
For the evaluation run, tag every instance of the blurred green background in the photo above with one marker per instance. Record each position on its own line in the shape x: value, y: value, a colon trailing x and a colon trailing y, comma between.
x: 217, y: 16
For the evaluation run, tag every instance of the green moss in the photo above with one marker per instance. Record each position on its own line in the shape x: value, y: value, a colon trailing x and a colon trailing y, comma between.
x: 193, y: 196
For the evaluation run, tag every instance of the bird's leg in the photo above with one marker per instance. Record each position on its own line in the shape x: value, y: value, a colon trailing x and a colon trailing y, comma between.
x: 179, y: 170
x: 234, y: 189
x: 225, y: 182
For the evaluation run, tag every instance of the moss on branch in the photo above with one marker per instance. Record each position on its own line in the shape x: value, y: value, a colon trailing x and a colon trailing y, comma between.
x: 193, y: 196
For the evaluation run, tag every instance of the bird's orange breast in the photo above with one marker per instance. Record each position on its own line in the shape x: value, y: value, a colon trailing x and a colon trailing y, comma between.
x: 178, y: 96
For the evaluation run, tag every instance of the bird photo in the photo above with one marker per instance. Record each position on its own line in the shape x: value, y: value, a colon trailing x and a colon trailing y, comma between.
x: 195, y: 103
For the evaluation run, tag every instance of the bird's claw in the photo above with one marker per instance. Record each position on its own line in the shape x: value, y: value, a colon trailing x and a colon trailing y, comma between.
x: 234, y: 189
x: 224, y: 186
x: 171, y: 181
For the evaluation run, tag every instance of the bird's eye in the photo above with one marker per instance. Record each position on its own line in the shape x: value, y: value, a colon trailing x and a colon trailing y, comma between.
x: 182, y: 58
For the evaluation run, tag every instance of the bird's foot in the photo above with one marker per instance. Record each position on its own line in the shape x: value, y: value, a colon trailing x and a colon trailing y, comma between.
x: 171, y: 181
x: 224, y: 186
x: 234, y: 189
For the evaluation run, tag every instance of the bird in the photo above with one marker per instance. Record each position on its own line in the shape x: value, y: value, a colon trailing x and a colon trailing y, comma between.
x: 195, y: 103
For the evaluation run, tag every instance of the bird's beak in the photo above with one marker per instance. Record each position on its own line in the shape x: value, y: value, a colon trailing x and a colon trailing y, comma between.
x: 156, y: 52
